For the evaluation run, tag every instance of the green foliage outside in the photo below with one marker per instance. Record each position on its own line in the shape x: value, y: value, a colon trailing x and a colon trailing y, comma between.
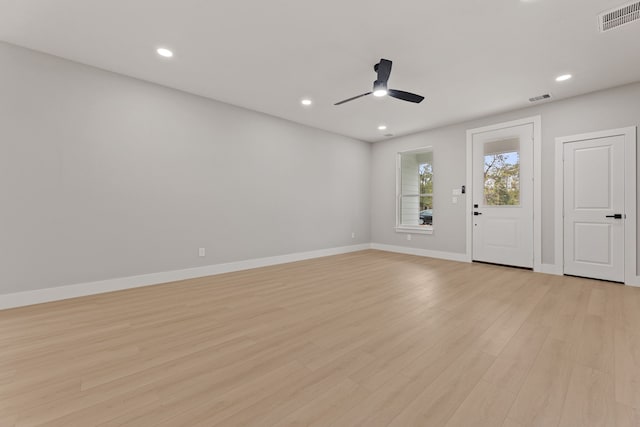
x: 502, y: 179
x: 426, y: 186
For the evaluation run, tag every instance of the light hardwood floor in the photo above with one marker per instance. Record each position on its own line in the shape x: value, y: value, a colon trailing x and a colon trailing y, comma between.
x: 363, y: 339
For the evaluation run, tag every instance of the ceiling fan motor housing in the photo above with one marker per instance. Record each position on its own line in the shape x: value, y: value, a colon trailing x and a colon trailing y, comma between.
x: 379, y: 85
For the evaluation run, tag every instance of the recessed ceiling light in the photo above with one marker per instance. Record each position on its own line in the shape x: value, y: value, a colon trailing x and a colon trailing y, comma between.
x: 164, y: 52
x: 306, y: 102
x: 563, y: 77
x: 382, y: 127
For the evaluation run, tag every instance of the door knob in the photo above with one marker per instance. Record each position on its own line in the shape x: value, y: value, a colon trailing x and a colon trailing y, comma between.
x: 477, y: 213
x: 615, y: 216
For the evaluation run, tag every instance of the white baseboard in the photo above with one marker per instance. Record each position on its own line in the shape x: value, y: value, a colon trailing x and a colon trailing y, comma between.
x: 551, y: 269
x: 451, y: 256
x: 558, y: 271
x: 20, y: 299
x: 635, y: 282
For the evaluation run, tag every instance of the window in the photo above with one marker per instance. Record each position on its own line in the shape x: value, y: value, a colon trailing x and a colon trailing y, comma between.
x: 415, y: 191
x: 502, y: 173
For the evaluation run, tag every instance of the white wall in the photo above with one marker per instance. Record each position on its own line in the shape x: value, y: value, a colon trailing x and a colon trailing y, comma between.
x: 609, y: 109
x: 105, y: 176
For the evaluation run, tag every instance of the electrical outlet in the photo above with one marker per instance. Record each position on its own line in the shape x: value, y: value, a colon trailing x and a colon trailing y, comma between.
x: 201, y: 252
x: 353, y: 235
x: 408, y: 236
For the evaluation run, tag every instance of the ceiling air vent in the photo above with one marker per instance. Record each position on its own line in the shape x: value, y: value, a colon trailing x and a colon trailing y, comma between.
x: 540, y: 97
x: 619, y: 16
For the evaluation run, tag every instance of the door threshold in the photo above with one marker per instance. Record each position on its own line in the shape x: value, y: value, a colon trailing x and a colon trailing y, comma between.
x: 593, y: 278
x: 504, y: 265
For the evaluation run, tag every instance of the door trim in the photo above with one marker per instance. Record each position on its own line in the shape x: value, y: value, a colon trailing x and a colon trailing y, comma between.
x: 630, y: 275
x: 537, y: 193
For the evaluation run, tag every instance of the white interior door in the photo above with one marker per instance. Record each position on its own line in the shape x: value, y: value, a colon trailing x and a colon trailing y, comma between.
x: 594, y: 214
x: 503, y: 196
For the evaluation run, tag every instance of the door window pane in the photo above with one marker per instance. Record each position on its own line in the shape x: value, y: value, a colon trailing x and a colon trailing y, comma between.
x: 502, y: 173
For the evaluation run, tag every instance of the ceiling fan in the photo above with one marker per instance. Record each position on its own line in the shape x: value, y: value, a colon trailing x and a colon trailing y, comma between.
x: 383, y: 68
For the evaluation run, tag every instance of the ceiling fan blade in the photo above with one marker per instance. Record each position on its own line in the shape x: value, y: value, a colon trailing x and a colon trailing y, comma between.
x: 405, y: 96
x: 351, y: 99
x: 384, y: 70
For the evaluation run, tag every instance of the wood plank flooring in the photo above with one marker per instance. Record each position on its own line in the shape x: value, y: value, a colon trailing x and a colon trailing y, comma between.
x: 363, y: 339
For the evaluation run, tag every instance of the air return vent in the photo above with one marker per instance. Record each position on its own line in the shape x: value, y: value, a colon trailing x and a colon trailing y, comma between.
x: 619, y: 16
x: 540, y: 97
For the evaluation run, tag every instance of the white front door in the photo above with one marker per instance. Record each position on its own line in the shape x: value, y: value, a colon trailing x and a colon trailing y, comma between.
x: 594, y: 211
x: 503, y: 196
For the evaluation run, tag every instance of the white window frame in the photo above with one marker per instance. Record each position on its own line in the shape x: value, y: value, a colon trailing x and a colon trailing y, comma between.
x: 400, y: 228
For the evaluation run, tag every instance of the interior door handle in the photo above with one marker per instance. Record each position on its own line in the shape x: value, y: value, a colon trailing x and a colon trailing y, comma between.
x: 477, y: 213
x: 616, y: 216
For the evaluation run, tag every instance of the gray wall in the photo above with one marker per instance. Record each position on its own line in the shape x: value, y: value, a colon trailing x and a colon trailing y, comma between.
x: 614, y: 108
x: 104, y: 176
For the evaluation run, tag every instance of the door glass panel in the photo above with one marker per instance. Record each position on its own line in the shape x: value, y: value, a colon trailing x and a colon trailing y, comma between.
x: 502, y: 173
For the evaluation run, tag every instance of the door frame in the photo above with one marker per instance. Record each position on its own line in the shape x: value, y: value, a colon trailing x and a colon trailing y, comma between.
x: 630, y: 180
x: 536, y: 121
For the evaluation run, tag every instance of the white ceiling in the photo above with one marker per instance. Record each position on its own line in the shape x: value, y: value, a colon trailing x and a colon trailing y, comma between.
x: 469, y: 58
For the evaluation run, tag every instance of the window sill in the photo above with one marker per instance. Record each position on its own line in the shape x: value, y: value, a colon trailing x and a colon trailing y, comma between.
x: 416, y: 229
